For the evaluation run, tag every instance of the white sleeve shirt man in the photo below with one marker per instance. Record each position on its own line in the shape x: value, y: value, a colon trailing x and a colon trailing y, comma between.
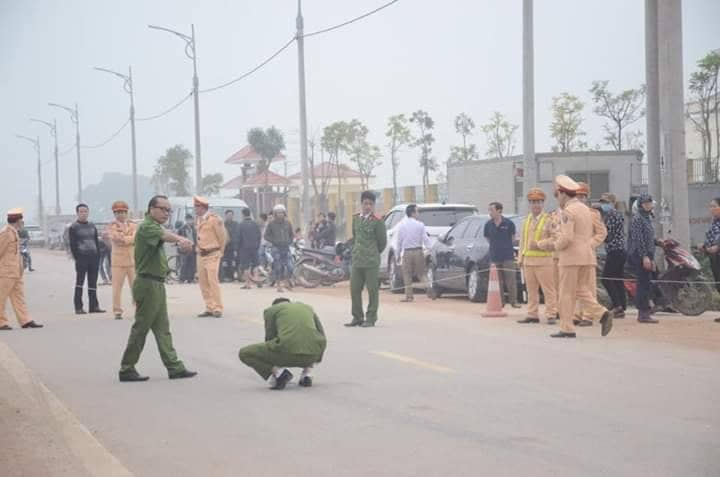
x: 411, y: 235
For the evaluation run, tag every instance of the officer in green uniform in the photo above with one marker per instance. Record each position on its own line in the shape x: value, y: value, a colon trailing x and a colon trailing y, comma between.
x: 369, y: 240
x: 148, y: 292
x: 294, y: 337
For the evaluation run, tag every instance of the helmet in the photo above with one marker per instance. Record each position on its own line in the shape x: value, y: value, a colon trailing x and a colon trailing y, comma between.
x: 279, y: 208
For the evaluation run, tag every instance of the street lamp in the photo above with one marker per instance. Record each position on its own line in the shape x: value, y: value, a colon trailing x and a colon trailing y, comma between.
x: 75, y: 118
x: 53, y: 133
x: 41, y: 208
x: 128, y: 86
x: 190, y: 52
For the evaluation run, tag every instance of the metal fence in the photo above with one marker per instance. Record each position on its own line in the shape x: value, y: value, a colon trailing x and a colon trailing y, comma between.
x: 699, y: 171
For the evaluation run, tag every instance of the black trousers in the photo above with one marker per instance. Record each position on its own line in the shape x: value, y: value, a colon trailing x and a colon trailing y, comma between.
x: 188, y: 267
x: 614, y: 268
x: 644, y: 286
x: 86, y: 265
x: 715, y: 267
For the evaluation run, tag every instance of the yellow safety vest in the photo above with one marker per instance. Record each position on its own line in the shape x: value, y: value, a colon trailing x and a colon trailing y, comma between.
x: 538, y: 236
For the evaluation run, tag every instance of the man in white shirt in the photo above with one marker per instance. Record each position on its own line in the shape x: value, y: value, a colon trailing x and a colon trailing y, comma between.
x: 410, y: 241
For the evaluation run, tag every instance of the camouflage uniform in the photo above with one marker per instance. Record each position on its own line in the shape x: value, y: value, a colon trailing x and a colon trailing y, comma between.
x: 369, y: 240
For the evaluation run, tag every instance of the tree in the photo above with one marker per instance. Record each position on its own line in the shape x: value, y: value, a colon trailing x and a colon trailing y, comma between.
x: 704, y: 102
x: 268, y: 144
x: 500, y: 136
x: 464, y: 126
x: 171, y: 171
x: 425, y: 139
x: 567, y: 119
x: 320, y: 184
x: 365, y: 156
x: 333, y: 141
x: 398, y: 135
x: 621, y: 109
x: 211, y: 183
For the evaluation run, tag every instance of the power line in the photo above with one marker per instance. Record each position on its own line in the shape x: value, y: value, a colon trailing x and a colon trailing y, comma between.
x: 96, y: 146
x: 365, y: 15
x: 245, y: 75
x: 71, y: 148
x: 168, y: 110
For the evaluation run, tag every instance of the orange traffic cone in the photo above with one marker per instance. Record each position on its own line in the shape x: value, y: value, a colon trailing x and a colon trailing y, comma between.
x: 493, y: 307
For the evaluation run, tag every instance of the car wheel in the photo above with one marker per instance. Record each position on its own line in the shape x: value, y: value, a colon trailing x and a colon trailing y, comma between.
x: 395, y: 278
x: 474, y: 290
x: 432, y: 289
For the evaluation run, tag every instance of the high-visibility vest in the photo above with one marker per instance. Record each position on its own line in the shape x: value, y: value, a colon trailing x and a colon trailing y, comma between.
x: 538, y: 236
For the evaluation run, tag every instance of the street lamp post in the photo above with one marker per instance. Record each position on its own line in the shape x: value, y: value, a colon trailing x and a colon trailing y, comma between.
x: 128, y: 86
x: 303, y: 116
x: 191, y: 52
x: 41, y: 208
x: 75, y: 118
x: 53, y: 133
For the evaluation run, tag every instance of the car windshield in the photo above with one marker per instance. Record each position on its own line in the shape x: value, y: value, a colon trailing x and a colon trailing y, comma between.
x: 445, y: 217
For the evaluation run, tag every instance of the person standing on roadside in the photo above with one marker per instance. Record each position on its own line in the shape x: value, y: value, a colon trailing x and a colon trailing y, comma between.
x: 229, y: 259
x: 411, y: 239
x: 327, y: 236
x: 641, y: 255
x: 279, y: 234
x: 122, y: 234
x: 711, y: 246
x: 615, y: 255
x: 188, y: 260
x: 85, y: 250
x: 211, y: 240
x: 500, y: 233
x: 149, y: 294
x: 250, y: 236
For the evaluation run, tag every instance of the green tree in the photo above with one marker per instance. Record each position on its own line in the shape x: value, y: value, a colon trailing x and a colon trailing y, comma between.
x: 398, y: 135
x: 171, y: 171
x: 365, y: 157
x: 621, y: 109
x: 704, y: 102
x: 566, y: 124
x: 424, y: 140
x: 464, y: 126
x: 268, y: 143
x: 500, y: 136
x: 211, y: 183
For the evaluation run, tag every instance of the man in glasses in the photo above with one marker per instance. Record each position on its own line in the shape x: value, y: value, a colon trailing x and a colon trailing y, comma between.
x: 149, y: 294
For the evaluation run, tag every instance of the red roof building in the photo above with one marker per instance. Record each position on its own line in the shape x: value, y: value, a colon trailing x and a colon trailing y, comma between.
x: 248, y: 155
x: 268, y: 178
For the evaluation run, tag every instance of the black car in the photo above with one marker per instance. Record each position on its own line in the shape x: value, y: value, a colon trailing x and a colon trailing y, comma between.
x: 459, y: 261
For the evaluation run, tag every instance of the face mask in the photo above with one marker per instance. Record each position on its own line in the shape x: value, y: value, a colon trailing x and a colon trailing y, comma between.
x: 606, y: 207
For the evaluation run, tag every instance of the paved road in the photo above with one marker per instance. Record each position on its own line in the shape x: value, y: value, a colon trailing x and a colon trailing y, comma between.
x: 431, y: 391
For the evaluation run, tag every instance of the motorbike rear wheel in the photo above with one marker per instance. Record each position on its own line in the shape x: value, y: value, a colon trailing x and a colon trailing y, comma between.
x: 691, y: 299
x: 304, y: 277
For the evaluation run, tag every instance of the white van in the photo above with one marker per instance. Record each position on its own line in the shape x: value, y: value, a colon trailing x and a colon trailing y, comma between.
x: 184, y: 205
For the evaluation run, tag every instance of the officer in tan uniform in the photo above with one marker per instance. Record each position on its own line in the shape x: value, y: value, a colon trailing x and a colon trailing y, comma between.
x: 576, y: 261
x: 599, y: 234
x: 11, y: 273
x: 211, y: 240
x: 537, y: 264
x: 122, y: 235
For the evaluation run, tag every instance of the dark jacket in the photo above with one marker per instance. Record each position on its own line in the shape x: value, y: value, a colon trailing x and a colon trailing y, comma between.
x: 279, y: 233
x: 84, y: 239
x: 327, y: 235
x: 249, y: 234
x: 233, y: 234
x: 641, y: 241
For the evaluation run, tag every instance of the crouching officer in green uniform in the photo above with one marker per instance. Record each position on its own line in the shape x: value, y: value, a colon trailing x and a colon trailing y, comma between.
x: 294, y: 337
x: 369, y: 240
x: 148, y: 292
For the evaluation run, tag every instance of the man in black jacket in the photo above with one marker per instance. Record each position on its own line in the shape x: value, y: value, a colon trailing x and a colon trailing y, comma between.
x: 85, y: 249
x: 327, y: 235
x: 250, y: 236
x: 227, y: 270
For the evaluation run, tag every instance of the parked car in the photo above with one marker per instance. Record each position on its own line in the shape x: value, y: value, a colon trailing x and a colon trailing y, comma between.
x: 37, y: 236
x: 459, y: 260
x: 438, y: 219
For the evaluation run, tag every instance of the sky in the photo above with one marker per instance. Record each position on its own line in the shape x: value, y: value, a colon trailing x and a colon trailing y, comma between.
x: 443, y: 57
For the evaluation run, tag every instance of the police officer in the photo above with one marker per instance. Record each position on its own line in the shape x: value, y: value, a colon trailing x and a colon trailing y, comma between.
x: 122, y: 235
x: 576, y: 260
x: 11, y: 273
x: 537, y: 264
x: 149, y: 294
x: 369, y: 240
x: 211, y: 240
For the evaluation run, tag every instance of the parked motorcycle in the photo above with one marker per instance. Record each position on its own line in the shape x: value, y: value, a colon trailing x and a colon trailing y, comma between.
x: 25, y: 252
x: 681, y: 286
x: 323, y: 267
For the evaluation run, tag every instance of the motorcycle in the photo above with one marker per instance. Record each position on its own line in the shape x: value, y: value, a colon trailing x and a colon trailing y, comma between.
x: 325, y: 267
x: 680, y: 287
x: 25, y: 252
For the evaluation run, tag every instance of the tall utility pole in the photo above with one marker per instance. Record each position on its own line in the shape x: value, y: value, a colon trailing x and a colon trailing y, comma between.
x: 652, y: 115
x: 305, y: 206
x: 530, y: 174
x: 128, y: 86
x: 41, y: 208
x: 53, y: 133
x: 75, y: 118
x: 191, y: 52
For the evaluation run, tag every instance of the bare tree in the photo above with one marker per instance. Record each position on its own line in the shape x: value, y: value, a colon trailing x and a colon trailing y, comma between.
x: 621, y: 109
x: 398, y: 135
x: 500, y: 136
x: 566, y: 123
x: 464, y: 126
x: 425, y: 140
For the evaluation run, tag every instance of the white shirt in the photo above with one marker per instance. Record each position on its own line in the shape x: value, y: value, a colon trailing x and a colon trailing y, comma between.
x: 411, y: 234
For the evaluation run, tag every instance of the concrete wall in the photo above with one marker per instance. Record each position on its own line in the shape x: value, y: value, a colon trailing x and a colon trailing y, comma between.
x: 481, y: 182
x: 699, y: 195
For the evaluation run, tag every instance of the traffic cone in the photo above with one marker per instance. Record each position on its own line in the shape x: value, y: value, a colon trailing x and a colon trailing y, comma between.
x: 493, y: 307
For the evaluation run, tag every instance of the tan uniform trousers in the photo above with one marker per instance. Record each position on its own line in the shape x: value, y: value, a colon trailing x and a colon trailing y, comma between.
x: 413, y: 266
x: 575, y: 286
x: 119, y: 274
x: 536, y: 277
x: 208, y: 267
x: 579, y: 310
x: 14, y: 289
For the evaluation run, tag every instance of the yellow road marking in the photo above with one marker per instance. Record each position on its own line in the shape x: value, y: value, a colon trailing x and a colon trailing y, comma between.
x: 414, y: 362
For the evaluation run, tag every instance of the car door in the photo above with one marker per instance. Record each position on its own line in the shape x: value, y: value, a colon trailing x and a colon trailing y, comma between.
x: 390, y: 221
x: 445, y: 256
x: 463, y: 251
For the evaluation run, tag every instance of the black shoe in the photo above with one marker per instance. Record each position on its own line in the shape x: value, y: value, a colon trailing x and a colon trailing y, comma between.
x: 529, y: 319
x: 217, y: 314
x: 354, y: 323
x: 367, y: 324
x: 305, y: 381
x: 607, y: 323
x: 282, y: 381
x: 205, y: 314
x: 31, y: 270
x: 648, y: 320
x: 551, y: 321
x: 584, y: 323
x: 118, y: 316
x: 618, y: 313
x: 32, y: 324
x: 183, y: 374
x: 515, y: 305
x: 563, y: 334
x: 80, y: 311
x: 717, y: 320
x: 5, y: 328
x: 133, y: 377
x: 97, y: 310
x: 407, y: 300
